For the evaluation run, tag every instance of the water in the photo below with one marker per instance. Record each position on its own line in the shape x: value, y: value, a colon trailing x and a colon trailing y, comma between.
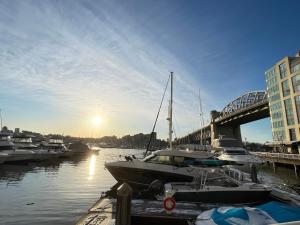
x: 60, y: 192
x: 57, y: 192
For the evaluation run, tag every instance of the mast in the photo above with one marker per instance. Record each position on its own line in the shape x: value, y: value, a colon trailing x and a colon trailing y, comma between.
x: 201, y: 119
x: 1, y: 120
x: 171, y: 114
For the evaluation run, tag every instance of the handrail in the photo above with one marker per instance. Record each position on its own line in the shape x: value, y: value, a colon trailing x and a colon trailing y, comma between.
x: 277, y: 155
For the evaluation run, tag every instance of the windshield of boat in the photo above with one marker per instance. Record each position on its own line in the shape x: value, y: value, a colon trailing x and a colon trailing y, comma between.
x: 180, y: 161
x: 235, y: 152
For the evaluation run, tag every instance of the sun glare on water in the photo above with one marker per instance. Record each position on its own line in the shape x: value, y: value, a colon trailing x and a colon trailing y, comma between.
x: 97, y: 121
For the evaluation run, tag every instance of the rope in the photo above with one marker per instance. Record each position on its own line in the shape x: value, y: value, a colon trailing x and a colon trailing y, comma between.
x: 151, y: 136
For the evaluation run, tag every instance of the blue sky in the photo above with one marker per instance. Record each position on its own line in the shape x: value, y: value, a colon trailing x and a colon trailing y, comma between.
x: 63, y: 62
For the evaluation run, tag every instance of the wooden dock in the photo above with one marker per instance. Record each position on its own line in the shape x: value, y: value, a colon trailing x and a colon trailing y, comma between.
x: 282, y: 158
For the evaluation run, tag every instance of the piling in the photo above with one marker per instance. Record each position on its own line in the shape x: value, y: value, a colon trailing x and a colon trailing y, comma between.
x: 254, y: 174
x: 296, y: 170
x: 123, y: 207
x: 274, y: 167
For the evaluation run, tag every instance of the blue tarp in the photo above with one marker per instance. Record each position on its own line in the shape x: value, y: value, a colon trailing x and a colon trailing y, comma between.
x: 271, y: 212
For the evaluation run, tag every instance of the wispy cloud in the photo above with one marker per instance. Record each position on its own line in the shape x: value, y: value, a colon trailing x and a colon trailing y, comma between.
x: 81, y: 59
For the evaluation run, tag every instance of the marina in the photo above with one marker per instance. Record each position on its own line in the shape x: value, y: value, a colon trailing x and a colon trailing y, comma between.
x: 147, y: 112
x: 61, y: 191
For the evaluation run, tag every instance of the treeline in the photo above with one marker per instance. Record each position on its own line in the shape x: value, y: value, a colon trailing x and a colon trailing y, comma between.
x: 130, y: 141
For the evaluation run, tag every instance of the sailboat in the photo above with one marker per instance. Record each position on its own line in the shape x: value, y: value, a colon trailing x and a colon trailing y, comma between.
x: 164, y: 165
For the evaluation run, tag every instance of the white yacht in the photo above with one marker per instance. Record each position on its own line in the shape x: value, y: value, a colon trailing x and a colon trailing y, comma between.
x: 230, y: 149
x: 13, y: 154
x: 239, y: 155
x: 54, y: 147
x: 22, y: 141
x: 164, y: 165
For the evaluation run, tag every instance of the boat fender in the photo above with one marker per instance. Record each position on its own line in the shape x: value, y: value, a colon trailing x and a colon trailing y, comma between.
x: 169, y: 204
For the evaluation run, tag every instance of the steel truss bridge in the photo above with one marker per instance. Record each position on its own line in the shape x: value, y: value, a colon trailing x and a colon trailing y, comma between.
x: 246, y: 108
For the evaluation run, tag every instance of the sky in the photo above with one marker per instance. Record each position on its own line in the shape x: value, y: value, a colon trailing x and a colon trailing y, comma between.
x: 65, y: 62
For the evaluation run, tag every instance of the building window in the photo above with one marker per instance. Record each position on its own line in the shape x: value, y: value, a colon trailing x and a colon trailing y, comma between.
x: 282, y: 69
x: 296, y: 83
x: 295, y: 68
x: 289, y: 111
x: 297, y: 103
x: 285, y: 88
x: 292, y: 134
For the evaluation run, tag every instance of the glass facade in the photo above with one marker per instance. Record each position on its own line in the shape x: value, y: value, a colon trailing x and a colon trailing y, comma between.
x: 295, y: 66
x: 272, y: 80
x: 297, y: 103
x: 296, y: 83
x: 285, y: 88
x: 282, y: 69
x: 289, y: 111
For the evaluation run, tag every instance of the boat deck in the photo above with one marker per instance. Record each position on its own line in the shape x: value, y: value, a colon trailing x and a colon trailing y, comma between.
x: 150, y: 212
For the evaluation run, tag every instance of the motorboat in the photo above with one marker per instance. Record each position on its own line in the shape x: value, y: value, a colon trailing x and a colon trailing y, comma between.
x: 54, y: 147
x: 22, y: 141
x: 164, y: 165
x: 230, y: 149
x: 225, y: 189
x: 13, y: 153
x: 239, y: 155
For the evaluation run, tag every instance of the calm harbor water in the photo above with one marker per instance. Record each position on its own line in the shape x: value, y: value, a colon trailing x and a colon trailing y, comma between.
x: 60, y: 192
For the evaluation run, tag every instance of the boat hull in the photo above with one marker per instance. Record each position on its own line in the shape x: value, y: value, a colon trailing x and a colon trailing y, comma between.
x: 144, y: 176
x: 227, y: 197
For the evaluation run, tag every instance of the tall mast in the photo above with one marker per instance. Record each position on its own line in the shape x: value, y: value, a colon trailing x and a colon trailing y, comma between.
x: 171, y: 114
x: 1, y: 119
x: 201, y: 119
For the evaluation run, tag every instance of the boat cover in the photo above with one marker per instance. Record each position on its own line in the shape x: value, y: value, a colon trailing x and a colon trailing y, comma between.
x: 269, y: 213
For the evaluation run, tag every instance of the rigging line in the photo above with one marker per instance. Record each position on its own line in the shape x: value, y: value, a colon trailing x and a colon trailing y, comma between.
x: 151, y: 135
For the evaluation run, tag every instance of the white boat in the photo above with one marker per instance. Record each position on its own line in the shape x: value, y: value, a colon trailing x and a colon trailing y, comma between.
x: 14, y: 154
x: 238, y: 155
x: 22, y: 141
x: 54, y: 147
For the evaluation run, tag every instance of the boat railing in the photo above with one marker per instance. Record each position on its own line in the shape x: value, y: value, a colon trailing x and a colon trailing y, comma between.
x: 237, y: 174
x: 277, y: 155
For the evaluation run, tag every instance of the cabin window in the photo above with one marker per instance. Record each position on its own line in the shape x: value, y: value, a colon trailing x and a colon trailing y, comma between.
x: 162, y: 159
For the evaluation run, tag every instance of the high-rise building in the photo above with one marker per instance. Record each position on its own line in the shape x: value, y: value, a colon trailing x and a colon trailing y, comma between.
x: 283, y: 87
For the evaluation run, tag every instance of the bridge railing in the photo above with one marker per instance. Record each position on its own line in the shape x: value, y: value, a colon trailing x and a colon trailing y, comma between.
x: 277, y: 155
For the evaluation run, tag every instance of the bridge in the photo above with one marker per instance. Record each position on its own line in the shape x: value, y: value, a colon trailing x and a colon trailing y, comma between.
x: 244, y: 109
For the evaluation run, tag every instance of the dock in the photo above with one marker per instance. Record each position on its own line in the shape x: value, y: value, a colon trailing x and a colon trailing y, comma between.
x: 282, y: 158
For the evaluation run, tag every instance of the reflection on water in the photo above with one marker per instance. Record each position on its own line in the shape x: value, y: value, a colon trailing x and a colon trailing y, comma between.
x: 54, y: 192
x: 61, y: 191
x: 92, y: 167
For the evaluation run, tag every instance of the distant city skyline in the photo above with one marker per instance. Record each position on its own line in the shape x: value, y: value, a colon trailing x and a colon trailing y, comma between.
x: 95, y: 68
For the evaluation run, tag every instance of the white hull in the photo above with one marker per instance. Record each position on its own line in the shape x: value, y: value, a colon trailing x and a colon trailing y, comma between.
x: 19, y: 155
x: 248, y: 159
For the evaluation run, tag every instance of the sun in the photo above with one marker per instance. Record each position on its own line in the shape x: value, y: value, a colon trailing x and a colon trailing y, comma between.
x: 97, y: 121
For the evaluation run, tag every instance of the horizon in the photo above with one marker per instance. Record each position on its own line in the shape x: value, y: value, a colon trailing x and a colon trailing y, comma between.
x: 90, y: 68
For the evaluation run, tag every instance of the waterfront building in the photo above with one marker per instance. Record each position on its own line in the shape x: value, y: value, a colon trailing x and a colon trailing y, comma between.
x: 283, y: 88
